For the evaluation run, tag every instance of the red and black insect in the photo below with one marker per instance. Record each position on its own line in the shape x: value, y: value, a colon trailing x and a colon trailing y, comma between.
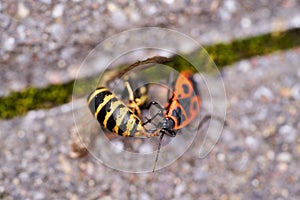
x: 182, y: 108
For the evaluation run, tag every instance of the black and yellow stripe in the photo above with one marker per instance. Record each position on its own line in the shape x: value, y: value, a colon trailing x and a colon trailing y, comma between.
x: 113, y: 114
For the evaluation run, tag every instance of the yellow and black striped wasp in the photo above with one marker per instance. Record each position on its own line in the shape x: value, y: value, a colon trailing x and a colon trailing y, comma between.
x: 113, y: 113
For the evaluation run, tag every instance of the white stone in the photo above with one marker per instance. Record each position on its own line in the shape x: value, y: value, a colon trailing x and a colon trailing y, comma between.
x: 145, y: 148
x: 9, y: 44
x: 284, y: 157
x: 23, y: 11
x: 296, y: 92
x: 295, y: 21
x: 46, y: 1
x: 21, y: 31
x: 58, y: 10
x: 244, y: 66
x: 246, y: 22
x: 119, y: 146
x: 169, y: 1
x: 224, y: 14
x: 288, y: 133
x: 230, y: 5
x: 263, y: 92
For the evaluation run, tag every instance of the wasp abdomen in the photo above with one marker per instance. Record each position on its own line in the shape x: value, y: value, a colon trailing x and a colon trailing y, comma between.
x: 113, y: 114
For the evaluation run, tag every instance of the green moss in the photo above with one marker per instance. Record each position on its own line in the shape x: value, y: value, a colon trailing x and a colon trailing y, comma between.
x: 18, y: 103
x: 226, y: 54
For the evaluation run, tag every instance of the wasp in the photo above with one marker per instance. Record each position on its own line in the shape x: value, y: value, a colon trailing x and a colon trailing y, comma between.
x: 111, y: 112
x: 114, y: 115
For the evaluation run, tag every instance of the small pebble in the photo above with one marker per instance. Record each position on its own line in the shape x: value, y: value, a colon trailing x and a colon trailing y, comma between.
x: 252, y: 143
x: 21, y: 31
x: 288, y: 133
x: 264, y: 94
x: 46, y: 1
x: 271, y: 155
x: 292, y: 110
x: 179, y: 189
x: 21, y: 133
x: 90, y: 168
x: 145, y: 148
x: 9, y: 44
x: 58, y: 32
x: 61, y: 63
x: 246, y: 22
x: 5, y: 21
x: 284, y: 157
x: 23, y: 11
x: 2, y: 189
x: 41, y: 138
x: 224, y: 14
x: 221, y: 157
x: 230, y: 5
x: 58, y: 10
x: 151, y: 10
x: 24, y: 177
x: 244, y: 66
x: 255, y: 182
x: 285, y: 92
x: 298, y: 149
x: 105, y: 198
x: 145, y: 196
x: 39, y: 195
x: 295, y: 92
x: 295, y: 21
x: 169, y: 1
x: 282, y: 167
x: 119, y: 146
x: 280, y: 119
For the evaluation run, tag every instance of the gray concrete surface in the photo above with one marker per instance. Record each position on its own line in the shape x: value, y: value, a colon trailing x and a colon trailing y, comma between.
x: 257, y: 156
x: 44, y: 42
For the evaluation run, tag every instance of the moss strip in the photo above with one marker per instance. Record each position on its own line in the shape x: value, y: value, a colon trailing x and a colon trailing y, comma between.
x: 226, y: 54
x: 18, y: 103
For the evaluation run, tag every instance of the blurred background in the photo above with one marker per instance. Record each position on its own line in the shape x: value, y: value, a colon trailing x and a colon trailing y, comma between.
x: 255, y: 44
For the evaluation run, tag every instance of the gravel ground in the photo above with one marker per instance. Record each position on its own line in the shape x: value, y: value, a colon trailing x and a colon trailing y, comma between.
x: 44, y: 42
x: 257, y: 156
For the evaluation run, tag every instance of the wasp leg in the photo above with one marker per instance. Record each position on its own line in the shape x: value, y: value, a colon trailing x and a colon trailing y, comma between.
x: 152, y: 131
x: 143, y: 96
x: 159, y: 113
x: 132, y: 104
x: 154, y: 103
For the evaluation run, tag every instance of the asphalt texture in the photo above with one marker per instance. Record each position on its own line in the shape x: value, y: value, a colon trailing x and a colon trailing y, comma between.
x: 257, y: 155
x: 45, y: 42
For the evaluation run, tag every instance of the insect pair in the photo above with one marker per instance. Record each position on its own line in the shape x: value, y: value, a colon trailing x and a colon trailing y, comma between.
x: 123, y: 119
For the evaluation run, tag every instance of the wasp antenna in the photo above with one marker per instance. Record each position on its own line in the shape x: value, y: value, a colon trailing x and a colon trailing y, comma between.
x: 158, y: 150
